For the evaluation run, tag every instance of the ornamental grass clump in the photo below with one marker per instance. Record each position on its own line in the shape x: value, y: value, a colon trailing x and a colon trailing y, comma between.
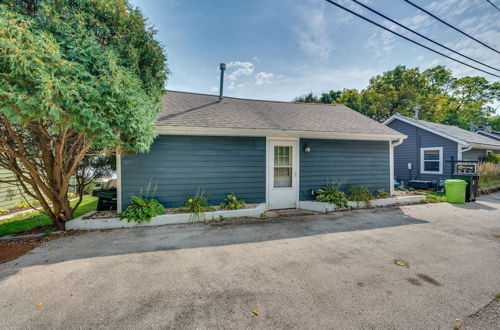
x: 197, y: 205
x: 489, y: 175
x: 232, y: 203
x: 360, y: 194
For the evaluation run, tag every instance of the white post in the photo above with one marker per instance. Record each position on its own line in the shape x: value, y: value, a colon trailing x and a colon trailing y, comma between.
x: 118, y: 182
x: 391, y: 168
x: 391, y: 161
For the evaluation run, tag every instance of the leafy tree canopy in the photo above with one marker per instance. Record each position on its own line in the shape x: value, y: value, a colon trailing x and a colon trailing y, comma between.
x: 76, y: 75
x: 439, y: 96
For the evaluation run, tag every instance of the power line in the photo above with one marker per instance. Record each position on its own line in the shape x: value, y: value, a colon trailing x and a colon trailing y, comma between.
x: 454, y: 28
x: 410, y: 40
x: 491, y: 3
x: 421, y: 35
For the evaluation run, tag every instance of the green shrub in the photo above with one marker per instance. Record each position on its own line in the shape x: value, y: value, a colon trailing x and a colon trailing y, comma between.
x: 142, y: 210
x: 3, y: 211
x: 71, y: 195
x: 232, y: 203
x: 333, y: 195
x: 382, y: 194
x: 23, y: 205
x: 360, y: 194
x: 492, y: 158
x: 197, y: 205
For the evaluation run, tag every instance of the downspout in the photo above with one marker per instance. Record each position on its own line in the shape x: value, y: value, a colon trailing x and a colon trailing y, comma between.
x: 461, y: 151
x: 391, y: 163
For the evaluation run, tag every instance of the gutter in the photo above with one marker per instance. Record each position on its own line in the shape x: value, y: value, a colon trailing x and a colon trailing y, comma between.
x: 485, y: 146
x: 209, y: 131
x: 397, y: 143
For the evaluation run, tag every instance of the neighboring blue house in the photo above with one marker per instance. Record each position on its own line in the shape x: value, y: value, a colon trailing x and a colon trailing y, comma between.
x: 427, y: 152
x: 262, y: 151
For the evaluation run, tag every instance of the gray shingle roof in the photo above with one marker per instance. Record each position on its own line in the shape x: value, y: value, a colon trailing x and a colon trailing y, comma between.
x: 456, y: 132
x: 201, y: 110
x: 495, y: 135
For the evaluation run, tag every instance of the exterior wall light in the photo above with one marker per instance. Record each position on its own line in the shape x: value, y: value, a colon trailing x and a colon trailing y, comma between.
x: 307, y: 147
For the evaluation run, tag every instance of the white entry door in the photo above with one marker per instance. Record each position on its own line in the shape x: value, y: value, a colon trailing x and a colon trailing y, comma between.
x: 282, y: 179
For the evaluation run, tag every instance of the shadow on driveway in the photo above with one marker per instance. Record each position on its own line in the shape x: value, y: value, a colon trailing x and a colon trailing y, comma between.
x: 188, y: 236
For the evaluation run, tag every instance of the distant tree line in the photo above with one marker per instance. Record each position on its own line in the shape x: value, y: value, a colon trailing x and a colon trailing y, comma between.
x: 440, y: 97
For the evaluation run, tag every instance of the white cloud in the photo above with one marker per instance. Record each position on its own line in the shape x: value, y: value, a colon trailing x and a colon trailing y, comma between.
x: 241, y: 69
x: 232, y: 86
x: 301, y: 82
x: 263, y: 77
x: 381, y: 43
x: 214, y: 89
x: 314, y: 33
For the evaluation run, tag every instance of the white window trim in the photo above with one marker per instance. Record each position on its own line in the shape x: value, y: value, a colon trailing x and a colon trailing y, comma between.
x: 422, y: 151
x: 489, y: 152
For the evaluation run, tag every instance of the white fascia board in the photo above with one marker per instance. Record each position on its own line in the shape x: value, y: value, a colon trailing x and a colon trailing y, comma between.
x: 449, y: 137
x: 208, y: 131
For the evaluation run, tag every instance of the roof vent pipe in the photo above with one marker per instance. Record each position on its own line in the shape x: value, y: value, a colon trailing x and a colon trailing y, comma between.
x: 221, y: 88
x: 417, y: 109
x: 472, y: 127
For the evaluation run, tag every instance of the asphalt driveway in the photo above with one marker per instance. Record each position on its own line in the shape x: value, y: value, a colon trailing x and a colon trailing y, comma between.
x: 321, y: 271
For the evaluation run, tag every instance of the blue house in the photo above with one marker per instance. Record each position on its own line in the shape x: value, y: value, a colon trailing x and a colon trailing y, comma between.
x: 263, y: 151
x: 427, y: 153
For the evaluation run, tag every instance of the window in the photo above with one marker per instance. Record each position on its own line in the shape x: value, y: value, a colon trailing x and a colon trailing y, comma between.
x: 489, y: 152
x: 282, y: 166
x: 431, y: 160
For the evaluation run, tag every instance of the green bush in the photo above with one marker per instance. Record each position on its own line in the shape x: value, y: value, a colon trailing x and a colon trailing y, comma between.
x: 492, y: 158
x: 142, y: 210
x: 232, y: 203
x: 360, y: 194
x: 197, y: 205
x: 333, y: 195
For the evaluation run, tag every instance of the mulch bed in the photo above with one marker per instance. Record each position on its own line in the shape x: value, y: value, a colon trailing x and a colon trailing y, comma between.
x: 10, y: 250
x: 114, y: 214
x: 102, y: 215
x: 291, y: 212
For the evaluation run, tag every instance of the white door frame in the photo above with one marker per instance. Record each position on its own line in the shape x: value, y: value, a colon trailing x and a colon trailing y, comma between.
x: 296, y: 166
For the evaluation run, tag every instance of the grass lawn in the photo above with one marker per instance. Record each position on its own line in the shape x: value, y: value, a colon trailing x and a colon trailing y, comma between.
x: 434, y: 197
x: 36, y: 219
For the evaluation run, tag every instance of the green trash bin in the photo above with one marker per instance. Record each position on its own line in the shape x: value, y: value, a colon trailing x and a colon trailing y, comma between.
x: 455, y: 191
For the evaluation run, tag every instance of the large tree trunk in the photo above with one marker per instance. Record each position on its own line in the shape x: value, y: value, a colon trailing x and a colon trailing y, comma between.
x: 43, y: 159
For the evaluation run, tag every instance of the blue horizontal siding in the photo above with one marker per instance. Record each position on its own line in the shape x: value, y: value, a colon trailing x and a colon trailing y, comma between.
x: 360, y: 163
x: 409, y: 152
x: 180, y: 165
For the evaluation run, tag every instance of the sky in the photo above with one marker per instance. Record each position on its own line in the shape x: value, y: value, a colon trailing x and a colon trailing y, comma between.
x: 280, y: 49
